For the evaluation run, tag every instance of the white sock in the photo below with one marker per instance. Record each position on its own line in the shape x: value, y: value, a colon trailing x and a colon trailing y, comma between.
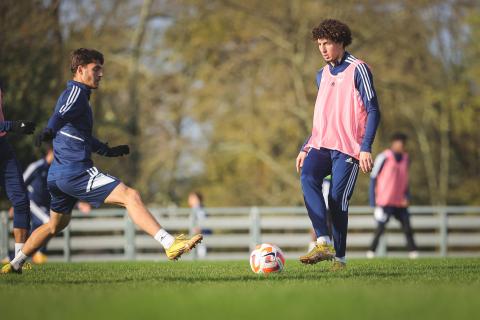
x: 18, y: 247
x: 324, y: 240
x: 19, y: 260
x: 341, y: 259
x: 165, y: 238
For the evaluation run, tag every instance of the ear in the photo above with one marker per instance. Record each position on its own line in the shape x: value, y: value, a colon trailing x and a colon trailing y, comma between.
x: 80, y: 70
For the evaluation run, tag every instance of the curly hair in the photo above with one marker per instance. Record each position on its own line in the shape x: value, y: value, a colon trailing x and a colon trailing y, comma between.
x: 82, y: 57
x: 333, y: 30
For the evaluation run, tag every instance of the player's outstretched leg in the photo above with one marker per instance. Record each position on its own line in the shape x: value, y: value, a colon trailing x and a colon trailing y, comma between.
x: 131, y: 200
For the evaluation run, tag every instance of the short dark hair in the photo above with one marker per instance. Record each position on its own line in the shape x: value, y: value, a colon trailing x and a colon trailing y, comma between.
x: 333, y: 30
x: 82, y: 57
x: 199, y: 195
x: 399, y: 136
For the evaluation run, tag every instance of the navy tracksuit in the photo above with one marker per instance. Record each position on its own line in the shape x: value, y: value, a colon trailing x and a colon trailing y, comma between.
x: 11, y: 181
x: 72, y: 176
x: 344, y: 170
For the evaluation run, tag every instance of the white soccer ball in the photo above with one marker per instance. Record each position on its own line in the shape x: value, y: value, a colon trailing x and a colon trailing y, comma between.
x: 267, y: 258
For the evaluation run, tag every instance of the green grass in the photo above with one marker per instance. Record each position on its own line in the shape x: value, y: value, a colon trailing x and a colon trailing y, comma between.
x: 380, y: 289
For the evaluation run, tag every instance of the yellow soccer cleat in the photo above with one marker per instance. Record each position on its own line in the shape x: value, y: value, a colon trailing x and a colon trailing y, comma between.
x: 8, y: 268
x: 338, y: 266
x: 39, y: 258
x: 5, y: 261
x: 27, y: 266
x: 182, y: 245
x: 321, y: 252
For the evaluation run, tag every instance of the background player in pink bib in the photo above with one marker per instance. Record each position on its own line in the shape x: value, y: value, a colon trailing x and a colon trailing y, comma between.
x: 345, y: 120
x: 389, y: 192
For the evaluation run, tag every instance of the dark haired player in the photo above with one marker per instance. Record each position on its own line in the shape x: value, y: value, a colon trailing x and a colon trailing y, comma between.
x: 11, y: 179
x: 389, y: 192
x: 72, y: 175
x: 344, y: 124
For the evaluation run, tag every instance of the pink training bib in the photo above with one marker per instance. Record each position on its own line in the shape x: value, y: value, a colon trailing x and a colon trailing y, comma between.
x: 340, y: 117
x: 392, y: 181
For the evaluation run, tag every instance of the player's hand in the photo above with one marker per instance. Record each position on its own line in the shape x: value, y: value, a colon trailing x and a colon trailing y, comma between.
x: 118, y: 151
x: 366, y: 162
x: 300, y: 159
x: 24, y: 127
x: 84, y: 207
x: 46, y: 135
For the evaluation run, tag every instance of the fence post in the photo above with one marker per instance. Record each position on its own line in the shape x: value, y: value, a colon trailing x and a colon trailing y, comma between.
x: 193, y: 225
x: 255, y: 236
x: 443, y: 217
x: 129, y: 234
x: 67, y: 253
x: 3, y: 234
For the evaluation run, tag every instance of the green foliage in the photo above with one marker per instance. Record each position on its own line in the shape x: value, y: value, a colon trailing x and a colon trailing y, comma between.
x: 219, y: 95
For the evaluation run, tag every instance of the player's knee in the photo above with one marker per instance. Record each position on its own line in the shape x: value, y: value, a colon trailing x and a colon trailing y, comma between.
x: 54, y: 228
x: 336, y: 197
x: 21, y: 205
x: 21, y: 215
x: 133, y: 196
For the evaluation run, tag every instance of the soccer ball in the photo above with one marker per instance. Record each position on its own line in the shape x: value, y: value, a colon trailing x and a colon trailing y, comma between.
x: 267, y: 258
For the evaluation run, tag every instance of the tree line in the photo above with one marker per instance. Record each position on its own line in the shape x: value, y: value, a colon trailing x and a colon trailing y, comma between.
x: 218, y: 96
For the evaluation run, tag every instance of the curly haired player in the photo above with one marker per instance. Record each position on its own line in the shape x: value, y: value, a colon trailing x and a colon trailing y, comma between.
x: 345, y: 120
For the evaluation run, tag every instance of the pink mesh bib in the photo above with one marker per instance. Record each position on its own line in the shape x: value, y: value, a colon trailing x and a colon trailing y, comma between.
x: 392, y: 181
x: 340, y: 117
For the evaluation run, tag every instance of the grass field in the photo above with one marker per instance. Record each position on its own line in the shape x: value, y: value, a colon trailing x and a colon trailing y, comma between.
x: 381, y: 289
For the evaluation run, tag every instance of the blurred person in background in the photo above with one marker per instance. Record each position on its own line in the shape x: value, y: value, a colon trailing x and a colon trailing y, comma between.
x: 195, y: 202
x: 11, y: 180
x: 389, y: 192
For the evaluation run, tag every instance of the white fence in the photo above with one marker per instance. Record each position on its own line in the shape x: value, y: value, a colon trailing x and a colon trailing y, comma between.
x: 108, y: 234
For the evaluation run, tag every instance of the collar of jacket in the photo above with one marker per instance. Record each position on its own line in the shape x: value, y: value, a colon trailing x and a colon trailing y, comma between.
x: 84, y: 87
